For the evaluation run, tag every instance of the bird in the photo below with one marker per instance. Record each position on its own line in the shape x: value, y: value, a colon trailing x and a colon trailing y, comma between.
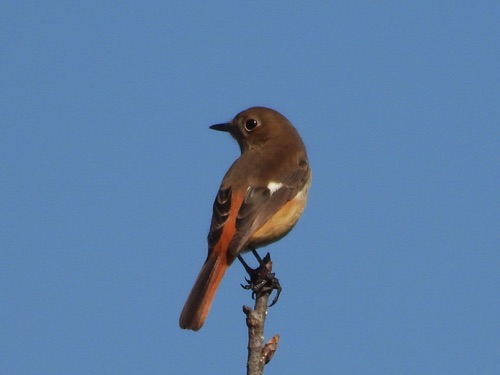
x: 259, y: 201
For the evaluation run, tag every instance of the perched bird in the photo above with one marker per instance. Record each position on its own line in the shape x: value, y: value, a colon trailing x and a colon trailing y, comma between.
x: 259, y: 201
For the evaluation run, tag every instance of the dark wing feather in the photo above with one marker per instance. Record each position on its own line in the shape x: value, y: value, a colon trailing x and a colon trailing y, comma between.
x: 222, y: 206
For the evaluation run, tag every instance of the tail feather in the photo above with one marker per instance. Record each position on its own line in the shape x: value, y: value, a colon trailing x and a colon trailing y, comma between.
x: 200, y: 299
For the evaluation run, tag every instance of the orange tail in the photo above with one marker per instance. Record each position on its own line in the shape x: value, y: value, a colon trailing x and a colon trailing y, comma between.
x: 200, y: 299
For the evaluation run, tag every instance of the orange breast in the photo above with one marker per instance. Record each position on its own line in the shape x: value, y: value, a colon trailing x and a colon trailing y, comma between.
x: 281, y: 223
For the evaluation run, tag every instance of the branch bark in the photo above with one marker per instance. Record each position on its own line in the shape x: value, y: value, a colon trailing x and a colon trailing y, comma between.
x: 258, y: 353
x: 255, y: 322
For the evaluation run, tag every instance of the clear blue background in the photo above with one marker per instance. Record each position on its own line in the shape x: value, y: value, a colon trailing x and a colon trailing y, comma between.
x: 109, y: 171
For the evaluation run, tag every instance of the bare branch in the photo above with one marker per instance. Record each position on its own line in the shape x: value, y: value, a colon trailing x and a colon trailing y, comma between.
x: 258, y: 353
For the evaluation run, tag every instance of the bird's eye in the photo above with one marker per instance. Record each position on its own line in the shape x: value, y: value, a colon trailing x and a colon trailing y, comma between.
x: 251, y: 125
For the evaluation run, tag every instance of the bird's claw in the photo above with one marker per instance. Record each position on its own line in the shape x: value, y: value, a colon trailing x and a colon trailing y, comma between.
x: 262, y: 280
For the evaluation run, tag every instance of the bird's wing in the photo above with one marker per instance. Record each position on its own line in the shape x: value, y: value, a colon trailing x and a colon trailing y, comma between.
x: 261, y: 203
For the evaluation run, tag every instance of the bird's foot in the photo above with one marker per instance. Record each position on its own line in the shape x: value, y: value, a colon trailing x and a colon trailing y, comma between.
x: 261, y: 280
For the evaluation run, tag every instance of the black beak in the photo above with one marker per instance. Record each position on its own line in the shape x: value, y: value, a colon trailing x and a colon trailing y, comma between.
x: 221, y: 127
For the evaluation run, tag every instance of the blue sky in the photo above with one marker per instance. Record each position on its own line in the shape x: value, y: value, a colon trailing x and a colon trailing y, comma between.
x: 108, y: 174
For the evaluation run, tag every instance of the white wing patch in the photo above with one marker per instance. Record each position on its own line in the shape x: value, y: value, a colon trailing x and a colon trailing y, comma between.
x: 274, y: 186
